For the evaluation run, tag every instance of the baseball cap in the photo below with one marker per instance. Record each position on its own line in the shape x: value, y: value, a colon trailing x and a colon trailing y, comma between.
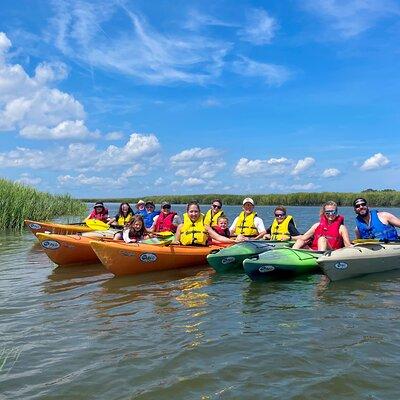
x: 165, y: 203
x: 248, y: 200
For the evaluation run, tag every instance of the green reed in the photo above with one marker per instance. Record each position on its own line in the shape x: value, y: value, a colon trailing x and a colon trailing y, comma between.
x: 384, y: 198
x: 19, y: 202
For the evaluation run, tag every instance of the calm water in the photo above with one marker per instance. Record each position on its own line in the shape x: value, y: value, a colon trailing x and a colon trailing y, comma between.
x: 80, y: 333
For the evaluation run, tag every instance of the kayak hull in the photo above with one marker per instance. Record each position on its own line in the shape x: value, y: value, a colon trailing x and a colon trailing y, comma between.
x: 281, y: 264
x: 131, y: 259
x: 361, y: 259
x: 53, y: 227
x: 68, y: 249
x: 231, y: 258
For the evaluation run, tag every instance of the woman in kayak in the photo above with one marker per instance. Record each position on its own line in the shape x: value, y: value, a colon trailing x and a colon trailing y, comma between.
x: 329, y: 233
x: 125, y: 214
x: 135, y: 230
x: 99, y: 212
x: 193, y: 231
x: 212, y: 215
x: 283, y: 226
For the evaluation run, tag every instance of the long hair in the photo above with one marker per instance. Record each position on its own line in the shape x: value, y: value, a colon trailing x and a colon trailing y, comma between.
x: 130, y: 211
x: 134, y: 233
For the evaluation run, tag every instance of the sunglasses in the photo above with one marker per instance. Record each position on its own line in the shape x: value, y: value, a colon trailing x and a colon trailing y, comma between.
x: 279, y: 215
x: 359, y: 205
x: 330, y: 212
x: 216, y: 206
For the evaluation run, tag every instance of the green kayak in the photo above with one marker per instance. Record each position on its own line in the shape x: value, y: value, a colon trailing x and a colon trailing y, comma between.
x: 281, y: 263
x: 231, y: 258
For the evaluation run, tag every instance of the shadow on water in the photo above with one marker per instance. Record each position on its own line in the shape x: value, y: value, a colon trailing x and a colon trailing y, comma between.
x: 70, y: 277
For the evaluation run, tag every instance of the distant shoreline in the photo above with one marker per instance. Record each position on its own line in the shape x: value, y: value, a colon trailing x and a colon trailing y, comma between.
x: 383, y: 198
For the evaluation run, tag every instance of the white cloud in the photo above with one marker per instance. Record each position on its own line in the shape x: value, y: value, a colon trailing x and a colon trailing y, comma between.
x: 195, y: 153
x: 193, y: 182
x: 350, y: 18
x: 306, y: 186
x: 114, y: 136
x: 26, y: 179
x: 330, y: 172
x: 30, y: 105
x: 82, y: 31
x: 159, y: 181
x: 90, y: 181
x: 138, y: 146
x: 260, y: 27
x: 303, y: 165
x: 273, y: 166
x: 64, y: 130
x: 272, y: 74
x: 139, y: 154
x: 377, y: 161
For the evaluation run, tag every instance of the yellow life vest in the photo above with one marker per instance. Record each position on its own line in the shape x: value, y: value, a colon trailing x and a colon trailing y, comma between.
x: 193, y: 232
x: 123, y: 220
x: 245, y: 225
x: 212, y: 220
x: 281, y: 231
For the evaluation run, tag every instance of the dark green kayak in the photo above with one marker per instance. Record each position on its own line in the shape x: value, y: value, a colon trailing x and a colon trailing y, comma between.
x: 231, y: 258
x: 281, y: 263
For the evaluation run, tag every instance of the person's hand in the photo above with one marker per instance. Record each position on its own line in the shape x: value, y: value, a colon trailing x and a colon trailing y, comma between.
x: 241, y: 238
x: 267, y: 236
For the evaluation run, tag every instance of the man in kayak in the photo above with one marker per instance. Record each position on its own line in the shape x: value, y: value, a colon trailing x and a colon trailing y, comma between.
x: 374, y: 224
x: 247, y: 223
x: 329, y: 233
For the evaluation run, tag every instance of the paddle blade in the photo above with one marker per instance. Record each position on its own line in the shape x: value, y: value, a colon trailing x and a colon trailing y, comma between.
x: 97, y: 225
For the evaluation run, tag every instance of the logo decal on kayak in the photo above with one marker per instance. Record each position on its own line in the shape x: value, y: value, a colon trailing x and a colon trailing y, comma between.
x: 341, y: 265
x: 148, y: 257
x: 266, y: 268
x: 51, y: 244
x: 35, y: 226
x: 126, y: 253
x: 228, y: 260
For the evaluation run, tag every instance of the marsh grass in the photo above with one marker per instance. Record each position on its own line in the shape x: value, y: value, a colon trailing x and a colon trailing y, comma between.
x: 19, y: 202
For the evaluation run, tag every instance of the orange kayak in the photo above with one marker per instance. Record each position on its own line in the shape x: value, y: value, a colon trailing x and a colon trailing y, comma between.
x: 68, y: 249
x: 53, y: 227
x: 131, y: 259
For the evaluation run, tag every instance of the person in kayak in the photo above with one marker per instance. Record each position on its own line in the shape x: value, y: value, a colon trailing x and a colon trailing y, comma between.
x: 167, y: 221
x: 135, y: 231
x: 99, y: 212
x: 140, y: 207
x: 193, y: 231
x: 125, y: 214
x: 222, y: 227
x: 149, y: 214
x: 247, y: 223
x: 283, y: 226
x: 329, y: 233
x: 214, y: 213
x: 374, y: 224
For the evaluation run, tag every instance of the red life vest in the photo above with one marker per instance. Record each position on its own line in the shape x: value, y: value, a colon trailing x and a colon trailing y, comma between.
x: 330, y: 232
x: 165, y: 222
x: 222, y: 232
x: 102, y: 216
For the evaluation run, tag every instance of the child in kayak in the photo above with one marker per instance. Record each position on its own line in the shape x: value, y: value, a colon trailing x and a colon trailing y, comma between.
x: 135, y: 230
x: 222, y: 227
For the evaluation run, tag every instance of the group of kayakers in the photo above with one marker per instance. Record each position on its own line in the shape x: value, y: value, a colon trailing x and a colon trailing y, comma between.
x: 329, y: 233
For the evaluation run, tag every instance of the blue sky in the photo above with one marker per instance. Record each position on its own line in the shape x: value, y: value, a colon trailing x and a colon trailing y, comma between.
x: 133, y: 98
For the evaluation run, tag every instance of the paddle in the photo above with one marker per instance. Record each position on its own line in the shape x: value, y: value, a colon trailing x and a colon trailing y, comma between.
x: 97, y: 225
x: 372, y: 241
